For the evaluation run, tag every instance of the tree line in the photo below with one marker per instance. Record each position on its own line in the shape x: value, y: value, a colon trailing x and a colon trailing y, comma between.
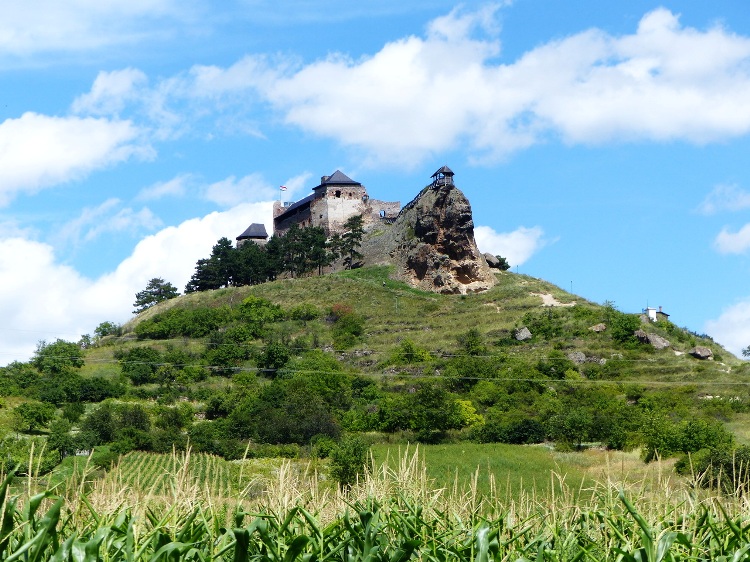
x: 299, y: 252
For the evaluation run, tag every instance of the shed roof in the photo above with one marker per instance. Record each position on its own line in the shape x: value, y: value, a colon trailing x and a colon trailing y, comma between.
x: 445, y: 170
x: 255, y: 230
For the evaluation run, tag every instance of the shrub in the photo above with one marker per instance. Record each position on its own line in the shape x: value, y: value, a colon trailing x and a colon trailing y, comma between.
x: 349, y: 460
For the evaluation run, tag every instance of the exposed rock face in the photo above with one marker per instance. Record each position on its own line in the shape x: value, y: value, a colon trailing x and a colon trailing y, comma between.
x: 701, y: 352
x: 598, y: 327
x: 432, y: 244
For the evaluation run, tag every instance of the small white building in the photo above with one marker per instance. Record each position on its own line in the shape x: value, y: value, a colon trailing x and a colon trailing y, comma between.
x: 654, y: 315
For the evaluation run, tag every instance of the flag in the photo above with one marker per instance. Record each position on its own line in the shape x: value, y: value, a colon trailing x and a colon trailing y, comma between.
x: 282, y: 187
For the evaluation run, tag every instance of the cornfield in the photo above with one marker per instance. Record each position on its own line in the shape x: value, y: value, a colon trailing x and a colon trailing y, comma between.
x: 392, y: 515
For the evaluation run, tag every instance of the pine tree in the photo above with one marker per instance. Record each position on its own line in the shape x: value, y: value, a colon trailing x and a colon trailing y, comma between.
x: 156, y: 291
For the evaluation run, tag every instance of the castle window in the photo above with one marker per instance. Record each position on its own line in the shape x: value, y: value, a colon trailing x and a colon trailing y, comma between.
x: 338, y: 193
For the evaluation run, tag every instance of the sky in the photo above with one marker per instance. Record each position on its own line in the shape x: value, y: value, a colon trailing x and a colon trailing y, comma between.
x: 603, y: 145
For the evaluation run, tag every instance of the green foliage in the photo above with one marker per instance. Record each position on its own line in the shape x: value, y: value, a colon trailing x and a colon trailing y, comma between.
x: 305, y: 312
x: 556, y: 365
x: 351, y: 240
x: 156, y: 291
x: 140, y: 364
x: 107, y: 329
x: 350, y: 460
x: 503, y: 265
x: 31, y: 416
x: 663, y: 437
x: 58, y: 357
x: 408, y: 352
x: 472, y: 342
x: 722, y: 466
x: 274, y: 356
x: 621, y: 326
x: 348, y: 326
x: 217, y: 271
x: 548, y: 324
x: 186, y: 322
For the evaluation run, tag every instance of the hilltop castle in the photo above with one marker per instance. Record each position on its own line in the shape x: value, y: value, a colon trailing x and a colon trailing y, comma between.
x: 331, y: 204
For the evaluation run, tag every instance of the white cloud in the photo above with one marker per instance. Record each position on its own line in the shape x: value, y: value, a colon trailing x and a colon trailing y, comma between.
x: 727, y: 242
x: 176, y: 187
x: 35, y: 26
x: 418, y: 96
x: 725, y: 198
x: 251, y: 188
x: 111, y: 92
x: 107, y: 218
x: 38, y: 151
x: 516, y: 247
x: 732, y: 327
x: 44, y: 299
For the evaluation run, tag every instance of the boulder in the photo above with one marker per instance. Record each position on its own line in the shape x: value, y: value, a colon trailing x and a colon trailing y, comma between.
x: 641, y: 336
x: 701, y: 352
x: 598, y: 327
x: 523, y: 334
x: 577, y: 357
x: 491, y: 260
x: 658, y: 342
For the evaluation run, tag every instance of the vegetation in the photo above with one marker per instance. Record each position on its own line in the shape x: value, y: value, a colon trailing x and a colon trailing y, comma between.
x: 156, y: 291
x: 390, y: 514
x: 335, y: 368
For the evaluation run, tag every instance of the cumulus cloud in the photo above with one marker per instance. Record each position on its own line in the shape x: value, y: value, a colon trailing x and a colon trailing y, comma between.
x: 418, y: 96
x: 516, y: 247
x: 732, y: 327
x: 38, y: 290
x: 725, y: 198
x: 38, y: 151
x: 727, y: 242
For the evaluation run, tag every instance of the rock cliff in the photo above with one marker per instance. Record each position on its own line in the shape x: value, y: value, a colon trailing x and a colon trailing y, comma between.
x: 432, y: 244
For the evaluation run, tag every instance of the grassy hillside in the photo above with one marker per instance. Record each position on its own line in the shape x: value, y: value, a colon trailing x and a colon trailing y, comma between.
x: 394, y: 311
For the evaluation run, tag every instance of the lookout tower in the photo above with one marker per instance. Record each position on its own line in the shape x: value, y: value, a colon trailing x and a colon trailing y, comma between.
x: 444, y: 176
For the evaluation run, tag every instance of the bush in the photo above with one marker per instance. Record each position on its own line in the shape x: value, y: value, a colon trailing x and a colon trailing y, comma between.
x: 348, y: 327
x: 349, y: 460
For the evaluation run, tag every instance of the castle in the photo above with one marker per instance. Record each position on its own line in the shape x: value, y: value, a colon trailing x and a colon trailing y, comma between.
x: 331, y: 204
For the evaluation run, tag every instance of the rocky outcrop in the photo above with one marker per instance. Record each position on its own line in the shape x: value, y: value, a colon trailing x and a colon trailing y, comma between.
x: 598, y: 327
x: 432, y: 244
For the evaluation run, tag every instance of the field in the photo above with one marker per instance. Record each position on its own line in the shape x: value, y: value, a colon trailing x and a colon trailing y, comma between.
x: 396, y: 513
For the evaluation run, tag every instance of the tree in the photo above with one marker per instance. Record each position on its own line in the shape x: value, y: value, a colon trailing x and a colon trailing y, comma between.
x: 157, y: 290
x: 503, y: 265
x: 110, y: 328
x: 60, y: 438
x: 31, y: 416
x: 349, y: 460
x: 351, y: 240
x: 746, y: 352
x: 58, y: 357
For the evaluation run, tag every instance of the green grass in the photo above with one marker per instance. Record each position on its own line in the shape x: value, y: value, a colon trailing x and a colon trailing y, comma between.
x: 513, y: 470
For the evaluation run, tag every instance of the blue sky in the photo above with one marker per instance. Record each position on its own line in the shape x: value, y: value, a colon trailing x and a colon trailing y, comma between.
x: 603, y: 146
